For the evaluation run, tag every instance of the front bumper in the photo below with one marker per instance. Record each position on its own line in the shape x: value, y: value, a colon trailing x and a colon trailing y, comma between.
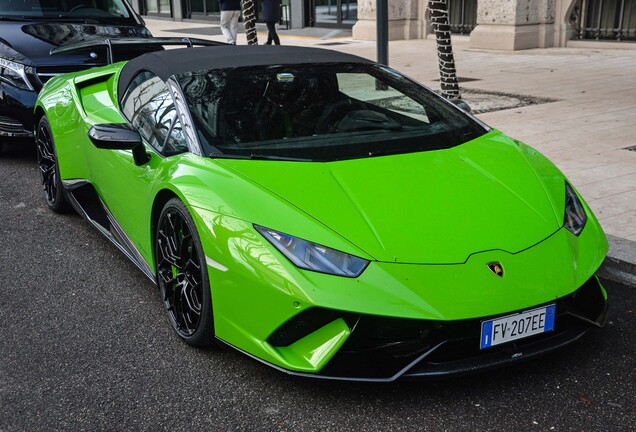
x: 385, y: 349
x: 16, y: 111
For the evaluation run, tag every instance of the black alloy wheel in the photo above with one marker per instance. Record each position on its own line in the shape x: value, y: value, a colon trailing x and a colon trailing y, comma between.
x: 54, y: 193
x: 182, y: 275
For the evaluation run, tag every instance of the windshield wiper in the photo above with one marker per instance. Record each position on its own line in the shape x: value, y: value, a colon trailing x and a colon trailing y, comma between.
x: 257, y: 157
x: 12, y: 18
x: 278, y: 158
x: 70, y: 18
x: 219, y: 155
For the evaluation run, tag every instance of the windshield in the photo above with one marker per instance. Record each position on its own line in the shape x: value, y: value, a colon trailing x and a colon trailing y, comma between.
x: 97, y: 10
x: 320, y: 113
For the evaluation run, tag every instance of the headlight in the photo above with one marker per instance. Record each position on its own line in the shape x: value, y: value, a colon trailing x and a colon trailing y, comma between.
x: 14, y: 74
x: 312, y: 256
x: 575, y: 216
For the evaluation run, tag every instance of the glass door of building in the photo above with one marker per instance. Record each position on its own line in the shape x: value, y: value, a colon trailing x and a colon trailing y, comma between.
x: 204, y: 8
x: 158, y: 7
x: 333, y: 13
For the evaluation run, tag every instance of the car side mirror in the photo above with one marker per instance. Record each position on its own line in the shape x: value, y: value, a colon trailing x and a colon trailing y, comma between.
x: 461, y: 104
x: 119, y: 136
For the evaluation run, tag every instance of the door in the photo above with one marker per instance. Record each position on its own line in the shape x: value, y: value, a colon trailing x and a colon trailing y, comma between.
x: 205, y: 8
x: 128, y: 189
x: 157, y: 7
x: 334, y: 13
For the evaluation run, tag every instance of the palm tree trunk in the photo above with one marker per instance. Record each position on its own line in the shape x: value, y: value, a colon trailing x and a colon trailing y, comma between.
x: 249, y: 13
x: 447, y: 72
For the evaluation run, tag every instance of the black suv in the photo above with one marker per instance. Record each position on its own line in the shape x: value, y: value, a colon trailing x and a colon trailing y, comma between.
x: 29, y: 29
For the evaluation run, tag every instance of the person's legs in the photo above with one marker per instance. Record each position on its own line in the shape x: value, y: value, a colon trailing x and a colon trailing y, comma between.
x: 226, y: 17
x: 272, y: 35
x: 276, y: 38
x: 269, y: 32
x: 234, y: 24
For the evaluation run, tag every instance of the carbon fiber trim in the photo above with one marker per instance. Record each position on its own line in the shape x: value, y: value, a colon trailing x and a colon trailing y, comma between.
x: 87, y: 203
x: 383, y: 349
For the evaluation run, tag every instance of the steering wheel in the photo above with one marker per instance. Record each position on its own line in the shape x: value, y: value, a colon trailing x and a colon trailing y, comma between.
x: 79, y: 6
x: 331, y: 116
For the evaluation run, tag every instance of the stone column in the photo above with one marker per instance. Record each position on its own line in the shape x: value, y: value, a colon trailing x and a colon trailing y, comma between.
x: 177, y: 12
x: 297, y: 14
x: 403, y: 20
x: 135, y: 5
x: 514, y: 24
x: 563, y: 30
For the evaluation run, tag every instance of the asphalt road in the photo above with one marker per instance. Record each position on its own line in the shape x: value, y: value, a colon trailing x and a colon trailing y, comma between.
x: 85, y: 345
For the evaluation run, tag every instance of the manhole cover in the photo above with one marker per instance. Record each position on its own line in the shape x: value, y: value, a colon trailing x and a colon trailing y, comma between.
x: 482, y: 101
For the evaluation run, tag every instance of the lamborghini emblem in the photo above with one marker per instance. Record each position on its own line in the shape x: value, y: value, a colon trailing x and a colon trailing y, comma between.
x: 496, y: 268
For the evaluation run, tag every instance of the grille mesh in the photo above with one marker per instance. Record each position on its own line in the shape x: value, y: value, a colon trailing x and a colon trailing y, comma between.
x: 8, y: 124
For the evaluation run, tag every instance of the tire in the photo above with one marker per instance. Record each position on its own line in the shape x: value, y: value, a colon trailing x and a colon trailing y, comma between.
x: 52, y: 186
x: 182, y: 275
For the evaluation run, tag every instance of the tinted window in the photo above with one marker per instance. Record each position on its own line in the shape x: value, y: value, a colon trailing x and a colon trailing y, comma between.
x: 148, y: 106
x: 65, y: 8
x: 364, y: 87
x: 320, y: 112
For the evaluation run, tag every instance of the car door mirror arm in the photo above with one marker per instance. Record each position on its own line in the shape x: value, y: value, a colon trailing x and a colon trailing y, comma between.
x: 119, y: 136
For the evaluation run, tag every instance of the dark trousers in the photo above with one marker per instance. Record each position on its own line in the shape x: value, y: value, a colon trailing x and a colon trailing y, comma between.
x: 272, y: 36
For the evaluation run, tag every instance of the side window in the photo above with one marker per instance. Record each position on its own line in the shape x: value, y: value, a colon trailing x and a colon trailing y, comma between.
x: 148, y: 106
x: 176, y: 142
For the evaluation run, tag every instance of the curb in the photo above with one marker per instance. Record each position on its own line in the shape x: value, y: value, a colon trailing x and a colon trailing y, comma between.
x: 620, y: 263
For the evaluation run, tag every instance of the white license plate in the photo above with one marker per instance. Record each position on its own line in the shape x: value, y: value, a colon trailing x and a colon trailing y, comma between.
x: 517, y: 326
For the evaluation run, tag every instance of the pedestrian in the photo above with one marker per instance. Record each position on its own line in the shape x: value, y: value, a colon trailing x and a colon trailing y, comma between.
x: 230, y: 13
x: 271, y: 14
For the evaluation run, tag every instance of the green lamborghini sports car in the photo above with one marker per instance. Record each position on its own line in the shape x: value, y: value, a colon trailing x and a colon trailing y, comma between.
x: 322, y: 213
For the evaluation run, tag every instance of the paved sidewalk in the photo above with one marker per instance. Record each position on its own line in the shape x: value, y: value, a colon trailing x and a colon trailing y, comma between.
x: 586, y: 132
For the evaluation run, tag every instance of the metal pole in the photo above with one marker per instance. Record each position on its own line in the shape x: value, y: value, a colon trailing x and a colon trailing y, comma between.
x: 382, y: 37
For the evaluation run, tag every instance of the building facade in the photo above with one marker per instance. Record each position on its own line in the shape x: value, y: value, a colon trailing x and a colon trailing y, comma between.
x: 297, y: 13
x: 491, y: 24
x: 512, y: 24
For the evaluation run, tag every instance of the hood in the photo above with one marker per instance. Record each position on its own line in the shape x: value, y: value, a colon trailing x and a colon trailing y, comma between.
x: 429, y: 207
x: 31, y: 43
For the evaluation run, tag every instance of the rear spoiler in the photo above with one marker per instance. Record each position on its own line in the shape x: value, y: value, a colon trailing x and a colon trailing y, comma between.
x: 110, y: 43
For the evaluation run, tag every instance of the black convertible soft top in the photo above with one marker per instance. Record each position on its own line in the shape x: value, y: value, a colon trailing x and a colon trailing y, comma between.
x: 166, y: 63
